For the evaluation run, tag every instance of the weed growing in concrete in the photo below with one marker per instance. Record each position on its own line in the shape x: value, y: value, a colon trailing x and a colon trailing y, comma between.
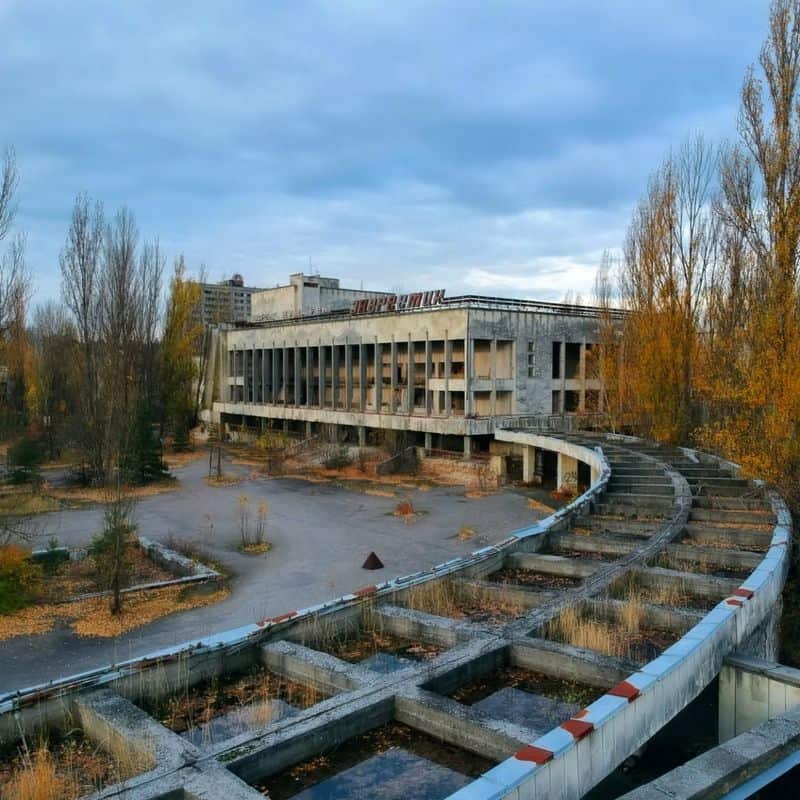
x: 449, y: 598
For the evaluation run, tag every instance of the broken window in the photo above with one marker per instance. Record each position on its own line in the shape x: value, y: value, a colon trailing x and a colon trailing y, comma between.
x: 572, y: 359
x: 556, y: 360
x: 572, y: 402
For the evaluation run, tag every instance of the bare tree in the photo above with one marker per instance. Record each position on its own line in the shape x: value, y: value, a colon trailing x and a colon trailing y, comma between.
x: 15, y: 289
x: 761, y: 177
x: 670, y: 252
x: 81, y: 265
x: 113, y: 289
x: 151, y: 269
x: 9, y: 180
x: 53, y: 340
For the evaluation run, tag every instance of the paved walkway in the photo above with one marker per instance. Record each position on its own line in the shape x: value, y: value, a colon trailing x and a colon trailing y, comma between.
x: 320, y: 534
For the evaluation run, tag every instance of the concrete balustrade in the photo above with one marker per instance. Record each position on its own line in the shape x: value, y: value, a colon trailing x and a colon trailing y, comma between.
x: 564, y: 762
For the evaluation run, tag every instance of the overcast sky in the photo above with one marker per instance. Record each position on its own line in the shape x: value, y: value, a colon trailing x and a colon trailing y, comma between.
x: 487, y: 147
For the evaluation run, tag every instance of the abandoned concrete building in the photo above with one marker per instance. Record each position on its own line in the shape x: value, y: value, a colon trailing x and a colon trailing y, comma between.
x: 442, y: 370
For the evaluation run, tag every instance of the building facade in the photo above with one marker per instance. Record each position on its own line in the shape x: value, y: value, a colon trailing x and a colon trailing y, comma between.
x: 305, y: 295
x: 226, y: 301
x: 442, y: 369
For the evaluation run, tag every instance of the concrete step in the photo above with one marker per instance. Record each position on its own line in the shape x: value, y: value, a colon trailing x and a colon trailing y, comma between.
x: 643, y: 511
x: 705, y: 490
x: 695, y: 583
x: 638, y: 471
x: 745, y: 538
x: 554, y: 565
x: 743, y: 518
x: 641, y: 499
x: 703, y: 472
x: 730, y: 503
x: 723, y: 558
x: 720, y: 481
x: 659, y: 479
x: 625, y: 486
x: 597, y: 543
x: 637, y: 528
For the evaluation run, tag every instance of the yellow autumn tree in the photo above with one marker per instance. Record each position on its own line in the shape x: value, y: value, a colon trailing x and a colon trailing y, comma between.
x: 183, y: 333
x: 670, y: 252
x: 751, y: 382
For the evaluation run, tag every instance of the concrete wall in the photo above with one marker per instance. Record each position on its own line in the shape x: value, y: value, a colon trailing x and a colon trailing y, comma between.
x: 752, y: 691
x: 305, y: 294
x: 439, y: 362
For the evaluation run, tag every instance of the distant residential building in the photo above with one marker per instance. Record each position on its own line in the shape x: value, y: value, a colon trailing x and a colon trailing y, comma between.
x: 305, y: 295
x: 227, y: 301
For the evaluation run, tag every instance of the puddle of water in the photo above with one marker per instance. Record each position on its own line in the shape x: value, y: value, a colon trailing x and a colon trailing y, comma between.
x: 526, y: 709
x: 395, y: 774
x: 232, y: 723
x: 385, y: 663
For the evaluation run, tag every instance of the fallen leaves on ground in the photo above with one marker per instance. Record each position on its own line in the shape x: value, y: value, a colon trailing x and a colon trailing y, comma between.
x: 537, y: 505
x: 224, y: 480
x: 256, y: 549
x: 94, y: 618
x: 88, y: 494
x: 175, y: 460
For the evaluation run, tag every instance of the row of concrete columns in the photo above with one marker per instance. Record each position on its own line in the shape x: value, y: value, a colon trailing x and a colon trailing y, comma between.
x: 567, y: 471
x: 285, y: 375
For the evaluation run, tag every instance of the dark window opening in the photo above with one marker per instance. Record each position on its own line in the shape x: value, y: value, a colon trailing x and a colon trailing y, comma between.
x: 556, y: 408
x: 572, y: 358
x: 556, y: 359
x: 572, y: 402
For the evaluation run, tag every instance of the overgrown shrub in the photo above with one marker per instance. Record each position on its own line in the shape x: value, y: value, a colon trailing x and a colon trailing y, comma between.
x: 24, y: 458
x: 142, y: 462
x: 111, y: 549
x: 19, y: 578
x: 52, y: 558
x: 337, y: 457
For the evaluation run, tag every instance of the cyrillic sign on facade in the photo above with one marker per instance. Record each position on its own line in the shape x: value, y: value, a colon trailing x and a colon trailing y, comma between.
x: 397, y: 302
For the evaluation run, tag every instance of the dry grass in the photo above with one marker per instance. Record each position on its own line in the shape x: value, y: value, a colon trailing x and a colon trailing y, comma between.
x: 727, y: 544
x: 672, y: 595
x: 632, y: 615
x: 248, y: 694
x: 93, y: 618
x: 255, y: 548
x: 575, y: 629
x: 448, y: 598
x: 626, y: 636
x: 182, y: 459
x: 16, y: 503
x: 363, y: 638
x: 38, y: 779
x: 224, y: 480
x: 405, y: 508
x: 700, y: 565
x: 70, y: 768
x: 88, y: 494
